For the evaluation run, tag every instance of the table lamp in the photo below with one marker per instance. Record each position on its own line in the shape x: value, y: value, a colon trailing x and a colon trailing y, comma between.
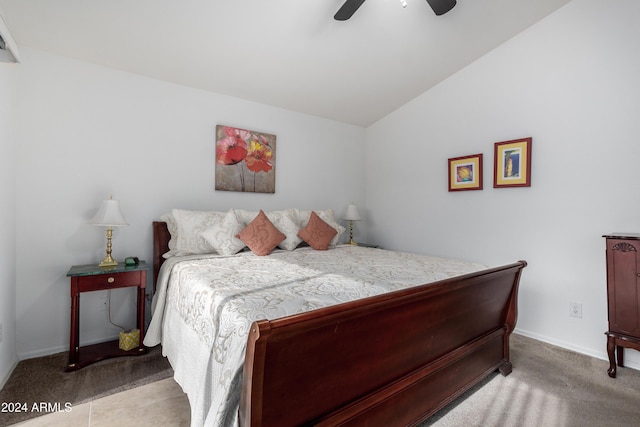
x: 351, y: 215
x: 109, y: 216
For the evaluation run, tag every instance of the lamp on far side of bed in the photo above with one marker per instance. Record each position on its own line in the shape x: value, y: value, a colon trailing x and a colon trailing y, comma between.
x: 351, y: 215
x: 109, y: 216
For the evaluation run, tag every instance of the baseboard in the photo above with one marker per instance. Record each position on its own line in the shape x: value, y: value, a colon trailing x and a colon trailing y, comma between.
x: 6, y: 377
x: 576, y: 348
x: 60, y: 349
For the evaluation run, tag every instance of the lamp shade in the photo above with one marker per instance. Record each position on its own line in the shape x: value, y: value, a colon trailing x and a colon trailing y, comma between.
x: 352, y: 213
x: 109, y: 215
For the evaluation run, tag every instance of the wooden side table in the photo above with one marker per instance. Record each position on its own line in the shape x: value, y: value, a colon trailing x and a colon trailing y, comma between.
x: 87, y: 278
x: 623, y: 296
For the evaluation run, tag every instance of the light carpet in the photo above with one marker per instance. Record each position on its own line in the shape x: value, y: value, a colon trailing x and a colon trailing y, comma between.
x: 549, y: 386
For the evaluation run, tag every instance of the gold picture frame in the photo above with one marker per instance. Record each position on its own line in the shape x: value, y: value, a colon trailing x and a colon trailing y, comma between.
x: 465, y: 173
x: 512, y: 163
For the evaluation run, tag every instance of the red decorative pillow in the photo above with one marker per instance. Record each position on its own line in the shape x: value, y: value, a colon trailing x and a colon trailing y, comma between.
x: 261, y: 236
x: 317, y: 233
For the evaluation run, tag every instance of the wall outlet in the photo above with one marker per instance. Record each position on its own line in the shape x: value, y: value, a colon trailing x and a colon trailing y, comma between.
x: 575, y: 310
x: 104, y: 301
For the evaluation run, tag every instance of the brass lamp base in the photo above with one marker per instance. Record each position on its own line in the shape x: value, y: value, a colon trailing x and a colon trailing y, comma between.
x: 108, y: 261
x: 351, y: 241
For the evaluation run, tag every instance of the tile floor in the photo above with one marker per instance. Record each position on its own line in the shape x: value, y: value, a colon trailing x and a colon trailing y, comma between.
x: 157, y: 404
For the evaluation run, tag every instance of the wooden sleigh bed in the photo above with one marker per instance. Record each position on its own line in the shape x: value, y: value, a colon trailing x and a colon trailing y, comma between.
x: 388, y: 360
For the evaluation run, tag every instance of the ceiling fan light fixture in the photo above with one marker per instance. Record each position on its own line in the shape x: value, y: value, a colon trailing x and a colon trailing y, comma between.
x: 440, y: 7
x: 349, y: 7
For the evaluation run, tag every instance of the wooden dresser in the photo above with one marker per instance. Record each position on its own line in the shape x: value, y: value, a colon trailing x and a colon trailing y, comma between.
x: 623, y: 296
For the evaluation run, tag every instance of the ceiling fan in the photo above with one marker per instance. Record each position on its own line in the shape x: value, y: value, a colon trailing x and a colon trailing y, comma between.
x: 440, y: 7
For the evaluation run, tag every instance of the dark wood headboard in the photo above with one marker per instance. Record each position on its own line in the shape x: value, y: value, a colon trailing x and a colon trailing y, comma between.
x: 161, y: 237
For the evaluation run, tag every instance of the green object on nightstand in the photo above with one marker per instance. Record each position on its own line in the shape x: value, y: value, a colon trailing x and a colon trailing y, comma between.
x: 132, y: 260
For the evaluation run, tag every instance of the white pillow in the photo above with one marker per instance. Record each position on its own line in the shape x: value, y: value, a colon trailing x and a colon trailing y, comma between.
x: 222, y: 235
x: 327, y: 216
x: 286, y: 221
x: 189, y: 226
x: 245, y: 217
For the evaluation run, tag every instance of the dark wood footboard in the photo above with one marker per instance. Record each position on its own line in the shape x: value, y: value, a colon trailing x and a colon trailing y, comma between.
x: 161, y: 237
x: 390, y: 360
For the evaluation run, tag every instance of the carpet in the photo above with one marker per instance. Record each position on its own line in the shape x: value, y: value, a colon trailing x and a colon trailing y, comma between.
x: 549, y: 386
x: 43, y: 381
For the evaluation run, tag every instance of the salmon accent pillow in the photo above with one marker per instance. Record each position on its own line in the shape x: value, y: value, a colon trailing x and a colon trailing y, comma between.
x: 327, y: 216
x: 317, y: 233
x: 260, y: 235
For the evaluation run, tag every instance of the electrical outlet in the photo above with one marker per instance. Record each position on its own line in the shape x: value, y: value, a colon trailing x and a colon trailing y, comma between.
x: 105, y: 302
x: 575, y: 310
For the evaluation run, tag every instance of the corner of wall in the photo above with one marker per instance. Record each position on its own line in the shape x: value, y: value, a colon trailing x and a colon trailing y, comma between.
x: 8, y: 348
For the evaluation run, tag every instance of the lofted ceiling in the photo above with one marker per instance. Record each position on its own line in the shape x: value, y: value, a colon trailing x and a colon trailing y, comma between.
x: 286, y: 53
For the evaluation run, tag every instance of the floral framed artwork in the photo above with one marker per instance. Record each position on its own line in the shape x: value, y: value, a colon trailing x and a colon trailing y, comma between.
x: 512, y: 163
x: 245, y: 160
x: 465, y: 173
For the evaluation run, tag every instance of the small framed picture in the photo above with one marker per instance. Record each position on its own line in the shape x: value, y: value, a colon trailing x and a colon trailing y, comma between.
x: 465, y: 173
x: 512, y: 163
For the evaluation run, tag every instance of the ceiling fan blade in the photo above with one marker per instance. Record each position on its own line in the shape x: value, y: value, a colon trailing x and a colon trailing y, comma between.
x: 440, y: 7
x: 347, y: 10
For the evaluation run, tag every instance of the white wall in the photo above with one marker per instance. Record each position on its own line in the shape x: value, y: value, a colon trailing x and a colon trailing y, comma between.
x: 572, y: 83
x: 8, y: 357
x: 85, y: 132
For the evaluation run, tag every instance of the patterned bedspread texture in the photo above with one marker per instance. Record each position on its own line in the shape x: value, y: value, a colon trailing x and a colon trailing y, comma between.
x: 218, y: 297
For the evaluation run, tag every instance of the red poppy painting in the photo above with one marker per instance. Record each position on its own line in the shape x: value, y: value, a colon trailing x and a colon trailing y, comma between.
x: 245, y: 160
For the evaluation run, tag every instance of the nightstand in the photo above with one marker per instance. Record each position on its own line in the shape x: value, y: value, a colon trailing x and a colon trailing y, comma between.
x: 88, y: 278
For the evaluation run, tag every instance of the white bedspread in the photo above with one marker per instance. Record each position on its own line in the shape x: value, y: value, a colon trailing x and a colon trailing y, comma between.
x: 204, y: 306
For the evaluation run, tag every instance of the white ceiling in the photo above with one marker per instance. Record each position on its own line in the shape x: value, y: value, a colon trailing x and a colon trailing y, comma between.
x: 286, y: 53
